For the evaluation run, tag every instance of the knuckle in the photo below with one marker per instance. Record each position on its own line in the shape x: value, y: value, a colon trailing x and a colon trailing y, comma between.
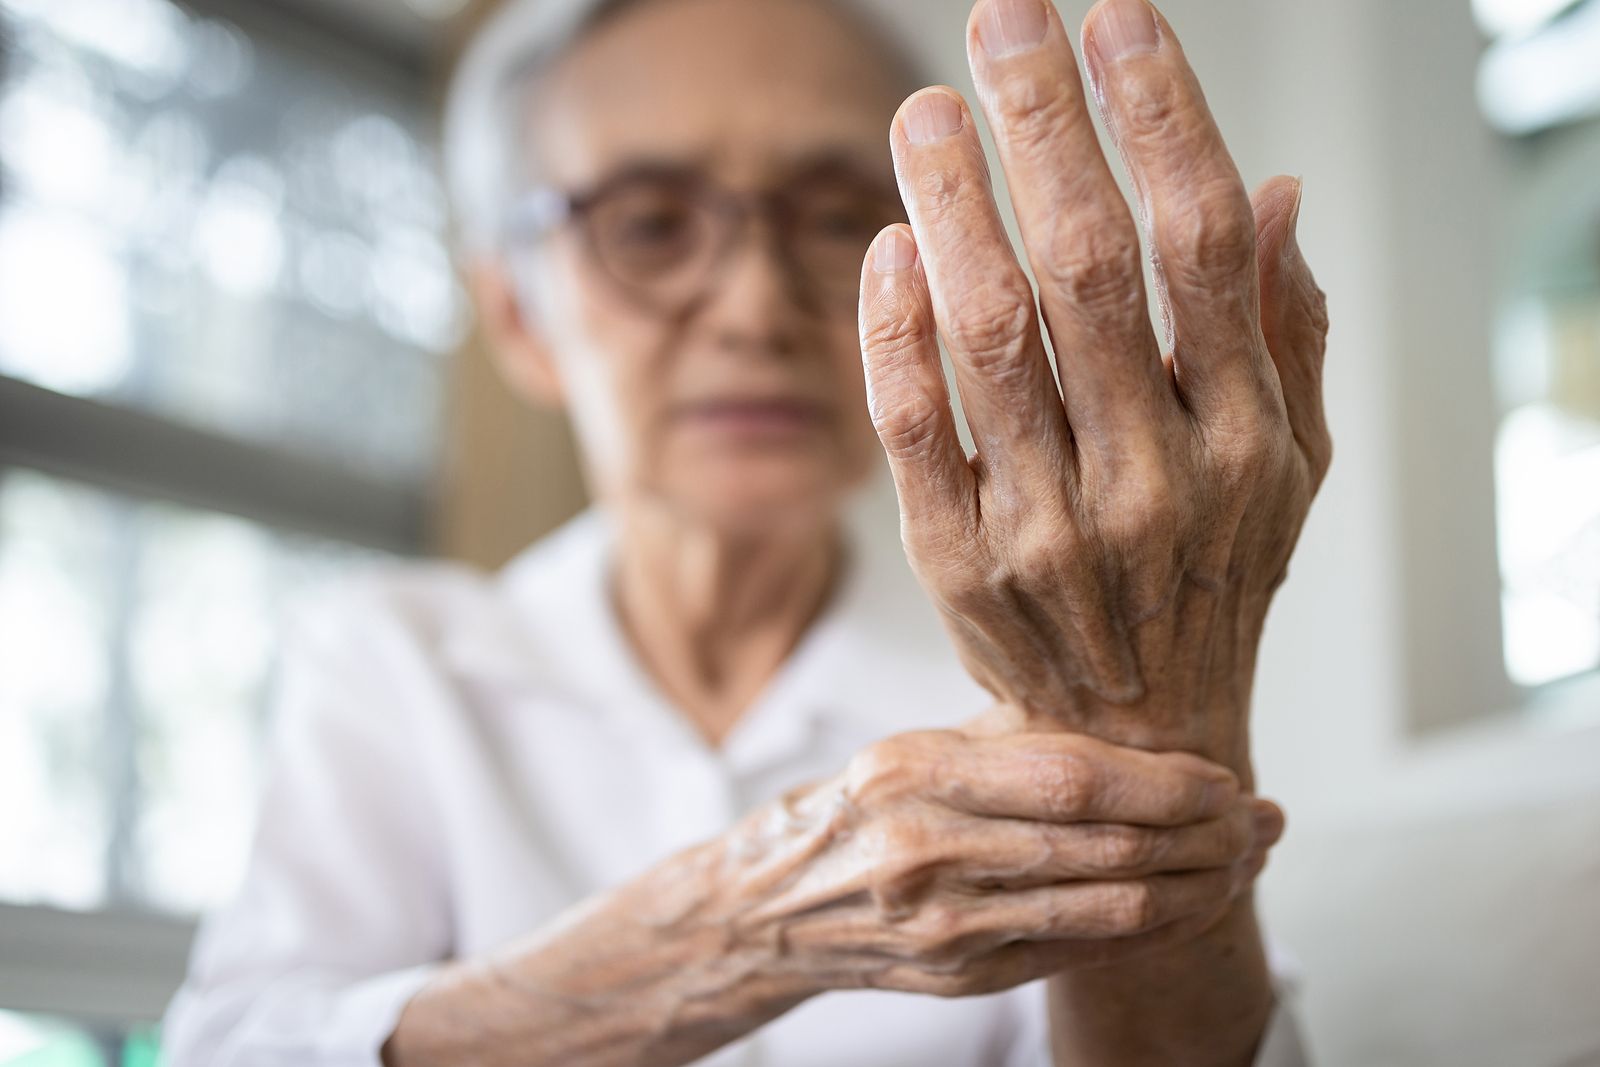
x: 893, y: 328
x: 911, y: 851
x: 1151, y: 108
x: 1098, y: 269
x: 1036, y: 560
x: 1044, y: 552
x: 1035, y: 114
x: 908, y: 426
x: 877, y: 771
x: 908, y: 856
x: 895, y: 884
x: 894, y: 767
x: 1125, y: 848
x: 1248, y: 441
x: 1210, y: 237
x: 1144, y: 511
x: 990, y: 329
x: 891, y: 897
x: 1069, y: 784
x: 936, y: 932
x: 1131, y: 907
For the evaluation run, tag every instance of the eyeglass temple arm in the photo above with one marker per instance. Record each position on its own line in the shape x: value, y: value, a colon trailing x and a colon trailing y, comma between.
x: 536, y: 213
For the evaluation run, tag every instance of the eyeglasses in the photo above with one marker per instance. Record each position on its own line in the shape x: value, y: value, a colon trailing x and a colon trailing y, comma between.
x: 662, y: 234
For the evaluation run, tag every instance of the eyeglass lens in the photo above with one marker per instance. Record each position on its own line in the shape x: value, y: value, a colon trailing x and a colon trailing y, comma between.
x: 664, y: 237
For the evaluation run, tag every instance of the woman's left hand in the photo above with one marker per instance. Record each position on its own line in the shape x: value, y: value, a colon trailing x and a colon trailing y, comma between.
x: 1107, y: 556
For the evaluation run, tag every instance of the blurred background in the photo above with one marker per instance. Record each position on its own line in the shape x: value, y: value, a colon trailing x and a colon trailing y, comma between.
x: 234, y: 360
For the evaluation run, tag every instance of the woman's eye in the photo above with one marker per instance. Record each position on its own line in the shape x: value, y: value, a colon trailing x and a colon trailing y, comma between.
x: 846, y: 221
x: 654, y: 226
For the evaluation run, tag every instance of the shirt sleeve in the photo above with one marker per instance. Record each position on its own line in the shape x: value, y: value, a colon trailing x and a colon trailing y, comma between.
x: 343, y: 914
x: 1281, y: 1043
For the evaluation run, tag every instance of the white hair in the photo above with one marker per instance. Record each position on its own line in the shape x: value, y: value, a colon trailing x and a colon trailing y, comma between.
x: 483, y: 107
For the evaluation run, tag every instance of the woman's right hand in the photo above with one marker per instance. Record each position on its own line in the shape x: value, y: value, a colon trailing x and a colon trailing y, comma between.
x: 957, y: 862
x: 951, y: 862
x: 943, y: 861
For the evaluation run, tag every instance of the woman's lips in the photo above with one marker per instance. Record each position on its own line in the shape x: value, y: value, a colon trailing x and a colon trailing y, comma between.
x: 754, y: 417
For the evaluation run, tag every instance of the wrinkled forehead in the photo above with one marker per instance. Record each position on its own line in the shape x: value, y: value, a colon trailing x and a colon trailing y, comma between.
x: 749, y: 90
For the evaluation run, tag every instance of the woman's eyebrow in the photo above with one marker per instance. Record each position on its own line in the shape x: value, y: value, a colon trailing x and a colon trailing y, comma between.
x: 820, y: 161
x: 655, y: 165
x: 837, y: 159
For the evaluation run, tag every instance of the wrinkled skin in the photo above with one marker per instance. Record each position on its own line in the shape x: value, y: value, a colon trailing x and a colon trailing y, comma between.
x: 952, y: 863
x: 1107, y: 557
x: 944, y: 862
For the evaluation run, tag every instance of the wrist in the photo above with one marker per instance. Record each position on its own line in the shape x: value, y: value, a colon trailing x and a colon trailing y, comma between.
x: 706, y: 912
x: 1195, y: 698
x: 763, y: 893
x: 1206, y: 1001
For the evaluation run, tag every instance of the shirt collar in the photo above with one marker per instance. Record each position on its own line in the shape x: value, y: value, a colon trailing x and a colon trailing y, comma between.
x: 852, y: 663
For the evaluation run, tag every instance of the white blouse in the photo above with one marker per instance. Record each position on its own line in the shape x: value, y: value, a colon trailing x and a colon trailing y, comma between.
x: 457, y: 757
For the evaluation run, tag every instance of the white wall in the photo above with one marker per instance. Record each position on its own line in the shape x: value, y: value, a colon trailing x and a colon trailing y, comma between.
x: 1440, y: 875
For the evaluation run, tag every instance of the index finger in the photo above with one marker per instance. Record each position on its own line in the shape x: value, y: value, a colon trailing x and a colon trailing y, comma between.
x: 1065, y: 777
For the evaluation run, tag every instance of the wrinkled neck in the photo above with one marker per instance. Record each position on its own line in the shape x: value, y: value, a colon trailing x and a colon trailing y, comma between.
x: 712, y: 615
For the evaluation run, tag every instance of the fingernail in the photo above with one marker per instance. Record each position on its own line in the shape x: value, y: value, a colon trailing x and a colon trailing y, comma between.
x: 893, y: 253
x: 1125, y: 28
x: 932, y: 117
x: 1007, y: 27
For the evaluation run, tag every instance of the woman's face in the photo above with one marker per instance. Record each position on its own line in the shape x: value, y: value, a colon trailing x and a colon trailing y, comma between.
x: 739, y: 401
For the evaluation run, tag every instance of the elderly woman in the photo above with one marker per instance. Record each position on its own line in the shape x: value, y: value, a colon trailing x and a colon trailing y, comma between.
x: 690, y: 763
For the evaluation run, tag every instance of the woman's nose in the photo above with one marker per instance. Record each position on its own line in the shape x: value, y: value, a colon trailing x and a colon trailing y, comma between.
x: 759, y: 299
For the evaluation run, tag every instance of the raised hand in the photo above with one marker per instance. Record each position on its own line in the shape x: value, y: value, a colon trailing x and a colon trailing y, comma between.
x: 1107, y: 556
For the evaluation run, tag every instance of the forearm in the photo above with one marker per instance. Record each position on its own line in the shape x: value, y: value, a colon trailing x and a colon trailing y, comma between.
x: 649, y: 975
x: 1204, y: 1003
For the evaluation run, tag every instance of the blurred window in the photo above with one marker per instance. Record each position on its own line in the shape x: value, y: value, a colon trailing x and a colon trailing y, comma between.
x: 139, y: 637
x: 42, y: 1041
x: 222, y: 229
x: 1539, y: 86
x: 226, y: 312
